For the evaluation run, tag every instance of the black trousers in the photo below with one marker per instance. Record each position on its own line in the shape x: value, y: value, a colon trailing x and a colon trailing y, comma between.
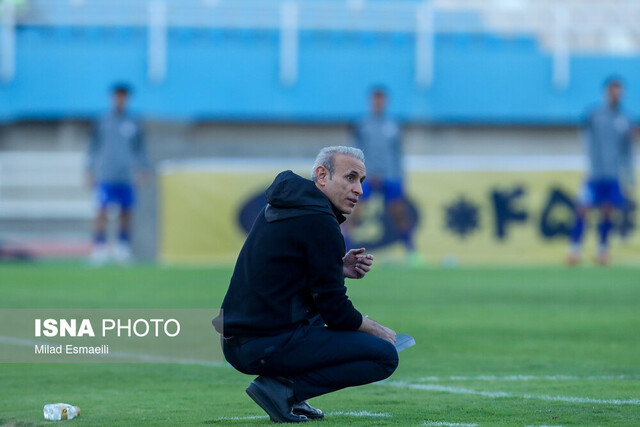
x: 317, y: 359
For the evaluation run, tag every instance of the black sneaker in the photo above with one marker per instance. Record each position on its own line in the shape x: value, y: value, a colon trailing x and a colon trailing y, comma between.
x: 276, y: 398
x: 303, y: 408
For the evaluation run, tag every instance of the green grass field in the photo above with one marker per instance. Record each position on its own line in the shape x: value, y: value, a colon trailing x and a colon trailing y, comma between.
x: 513, y: 347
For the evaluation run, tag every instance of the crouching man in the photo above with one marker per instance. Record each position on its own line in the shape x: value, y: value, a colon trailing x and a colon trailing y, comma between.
x: 286, y: 314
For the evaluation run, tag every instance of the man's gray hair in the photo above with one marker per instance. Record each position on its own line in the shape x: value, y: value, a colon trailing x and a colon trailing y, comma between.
x: 326, y: 158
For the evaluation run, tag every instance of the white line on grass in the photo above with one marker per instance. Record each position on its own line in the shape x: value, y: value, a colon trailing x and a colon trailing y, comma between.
x: 250, y: 417
x: 459, y: 390
x: 529, y: 378
x: 363, y: 414
x: 446, y: 424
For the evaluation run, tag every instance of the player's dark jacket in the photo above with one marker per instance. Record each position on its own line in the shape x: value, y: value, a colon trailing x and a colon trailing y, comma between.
x: 290, y: 267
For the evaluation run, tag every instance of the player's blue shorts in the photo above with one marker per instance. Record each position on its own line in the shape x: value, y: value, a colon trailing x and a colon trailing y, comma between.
x: 597, y: 192
x: 117, y: 194
x: 391, y: 189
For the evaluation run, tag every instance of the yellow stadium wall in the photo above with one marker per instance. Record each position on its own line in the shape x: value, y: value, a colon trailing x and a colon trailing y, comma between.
x: 199, y: 216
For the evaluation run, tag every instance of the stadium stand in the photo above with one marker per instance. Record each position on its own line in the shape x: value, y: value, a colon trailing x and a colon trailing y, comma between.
x: 446, y: 61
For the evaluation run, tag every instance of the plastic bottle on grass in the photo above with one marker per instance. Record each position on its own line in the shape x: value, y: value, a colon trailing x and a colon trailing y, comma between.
x: 60, y: 411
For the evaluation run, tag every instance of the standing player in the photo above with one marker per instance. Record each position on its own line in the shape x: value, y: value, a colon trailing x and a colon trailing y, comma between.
x: 379, y: 137
x: 116, y: 159
x: 610, y: 179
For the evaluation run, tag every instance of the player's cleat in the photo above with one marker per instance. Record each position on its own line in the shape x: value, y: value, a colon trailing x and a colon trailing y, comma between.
x: 99, y: 255
x: 303, y: 408
x: 572, y: 260
x: 574, y: 256
x: 276, y: 398
x: 122, y: 254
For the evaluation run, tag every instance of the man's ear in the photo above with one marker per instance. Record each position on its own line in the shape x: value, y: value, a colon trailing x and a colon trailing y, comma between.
x: 321, y: 174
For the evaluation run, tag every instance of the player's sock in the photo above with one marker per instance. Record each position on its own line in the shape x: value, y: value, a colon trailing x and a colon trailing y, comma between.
x: 100, y: 238
x: 602, y: 257
x: 123, y: 253
x: 575, y: 248
x: 100, y: 252
x: 124, y: 236
x: 604, y: 229
x: 577, y: 231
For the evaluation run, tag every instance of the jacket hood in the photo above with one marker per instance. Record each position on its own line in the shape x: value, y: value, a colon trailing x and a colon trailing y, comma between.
x: 291, y: 196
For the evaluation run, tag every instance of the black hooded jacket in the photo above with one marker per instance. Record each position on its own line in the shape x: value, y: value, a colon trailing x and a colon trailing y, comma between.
x: 290, y: 267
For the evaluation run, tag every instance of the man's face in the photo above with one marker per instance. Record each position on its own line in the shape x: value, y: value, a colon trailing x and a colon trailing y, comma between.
x: 614, y: 94
x: 378, y: 102
x: 120, y: 100
x: 345, y: 186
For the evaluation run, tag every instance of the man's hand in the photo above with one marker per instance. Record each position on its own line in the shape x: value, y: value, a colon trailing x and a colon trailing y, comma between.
x: 356, y: 264
x: 374, y: 328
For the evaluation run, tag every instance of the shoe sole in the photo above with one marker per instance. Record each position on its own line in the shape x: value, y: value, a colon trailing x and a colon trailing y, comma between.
x: 258, y: 397
x: 311, y: 417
